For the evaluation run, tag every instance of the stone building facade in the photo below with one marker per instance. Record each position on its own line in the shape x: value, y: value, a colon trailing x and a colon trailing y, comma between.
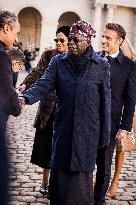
x: 40, y: 18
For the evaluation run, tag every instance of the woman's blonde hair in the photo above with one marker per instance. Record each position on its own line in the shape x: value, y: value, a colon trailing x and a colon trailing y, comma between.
x: 128, y: 49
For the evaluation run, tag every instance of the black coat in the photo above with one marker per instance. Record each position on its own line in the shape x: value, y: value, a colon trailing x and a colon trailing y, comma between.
x: 82, y: 113
x: 9, y: 105
x: 123, y: 93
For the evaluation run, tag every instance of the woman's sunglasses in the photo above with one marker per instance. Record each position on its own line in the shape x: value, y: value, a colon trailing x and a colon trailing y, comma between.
x: 61, y: 40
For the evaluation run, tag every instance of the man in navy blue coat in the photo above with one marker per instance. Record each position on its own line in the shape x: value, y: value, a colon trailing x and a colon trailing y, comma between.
x: 123, y: 98
x: 82, y: 118
x: 9, y: 103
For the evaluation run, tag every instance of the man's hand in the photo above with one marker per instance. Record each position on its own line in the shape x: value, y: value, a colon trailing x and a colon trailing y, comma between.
x: 22, y: 101
x: 22, y: 88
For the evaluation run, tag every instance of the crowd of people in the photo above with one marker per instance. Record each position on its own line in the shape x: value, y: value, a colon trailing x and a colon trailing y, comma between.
x: 87, y: 103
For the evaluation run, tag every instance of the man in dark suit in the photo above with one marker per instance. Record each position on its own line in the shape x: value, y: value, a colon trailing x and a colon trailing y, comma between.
x: 9, y: 103
x: 123, y: 98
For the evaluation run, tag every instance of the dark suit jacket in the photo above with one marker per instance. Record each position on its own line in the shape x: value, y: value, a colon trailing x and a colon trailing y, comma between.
x: 123, y: 93
x: 9, y: 105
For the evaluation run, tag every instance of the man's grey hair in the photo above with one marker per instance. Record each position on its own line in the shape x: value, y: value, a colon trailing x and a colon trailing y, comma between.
x: 8, y: 18
x: 15, y: 54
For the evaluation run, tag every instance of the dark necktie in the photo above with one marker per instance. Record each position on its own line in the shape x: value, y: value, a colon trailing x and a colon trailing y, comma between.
x: 109, y: 58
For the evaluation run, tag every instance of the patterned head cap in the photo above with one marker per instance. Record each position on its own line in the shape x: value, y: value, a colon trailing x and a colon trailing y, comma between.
x: 82, y: 28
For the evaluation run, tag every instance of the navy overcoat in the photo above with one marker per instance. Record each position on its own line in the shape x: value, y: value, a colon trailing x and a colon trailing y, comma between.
x: 82, y: 117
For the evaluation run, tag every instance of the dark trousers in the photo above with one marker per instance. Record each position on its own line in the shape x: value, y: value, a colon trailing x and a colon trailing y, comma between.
x: 71, y: 188
x: 103, y: 175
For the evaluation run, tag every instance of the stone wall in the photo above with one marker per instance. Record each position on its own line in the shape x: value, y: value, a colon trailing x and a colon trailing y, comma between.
x: 97, y: 12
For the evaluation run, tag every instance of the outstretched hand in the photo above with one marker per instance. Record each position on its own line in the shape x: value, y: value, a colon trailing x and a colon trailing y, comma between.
x: 22, y: 88
x: 22, y: 101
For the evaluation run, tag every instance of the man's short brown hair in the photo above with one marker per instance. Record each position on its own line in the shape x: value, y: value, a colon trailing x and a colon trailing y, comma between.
x: 117, y: 28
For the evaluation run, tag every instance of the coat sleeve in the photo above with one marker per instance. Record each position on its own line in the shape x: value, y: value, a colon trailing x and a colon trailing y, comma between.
x: 43, y: 88
x: 37, y: 72
x: 105, y: 109
x: 9, y: 97
x: 129, y: 101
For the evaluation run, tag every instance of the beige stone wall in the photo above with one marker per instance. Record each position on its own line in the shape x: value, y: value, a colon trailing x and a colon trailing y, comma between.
x: 125, y: 17
x: 116, y: 11
x: 50, y: 12
x: 125, y: 3
x: 97, y: 12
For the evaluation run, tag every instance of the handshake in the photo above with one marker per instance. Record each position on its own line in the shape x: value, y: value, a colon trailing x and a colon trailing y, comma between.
x: 22, y: 99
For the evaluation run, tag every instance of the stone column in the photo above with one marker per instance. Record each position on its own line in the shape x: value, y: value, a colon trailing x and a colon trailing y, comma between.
x: 48, y: 33
x: 97, y: 24
x: 110, y: 13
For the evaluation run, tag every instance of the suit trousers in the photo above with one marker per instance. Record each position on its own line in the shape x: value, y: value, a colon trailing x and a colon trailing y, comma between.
x: 103, y: 174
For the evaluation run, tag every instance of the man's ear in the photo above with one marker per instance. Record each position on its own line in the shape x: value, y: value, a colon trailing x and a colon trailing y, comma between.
x: 6, y: 28
x: 120, y: 41
x: 13, y: 63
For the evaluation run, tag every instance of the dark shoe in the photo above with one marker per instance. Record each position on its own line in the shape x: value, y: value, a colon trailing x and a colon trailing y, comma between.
x: 44, y: 189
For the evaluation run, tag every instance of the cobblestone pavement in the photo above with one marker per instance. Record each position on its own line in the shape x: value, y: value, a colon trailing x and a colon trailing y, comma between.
x: 26, y: 178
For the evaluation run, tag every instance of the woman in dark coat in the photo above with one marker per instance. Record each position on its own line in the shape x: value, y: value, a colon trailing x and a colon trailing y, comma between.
x: 41, y: 153
x: 82, y: 117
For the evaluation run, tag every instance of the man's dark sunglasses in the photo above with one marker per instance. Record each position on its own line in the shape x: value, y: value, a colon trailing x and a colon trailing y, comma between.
x: 75, y: 39
x: 61, y: 40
